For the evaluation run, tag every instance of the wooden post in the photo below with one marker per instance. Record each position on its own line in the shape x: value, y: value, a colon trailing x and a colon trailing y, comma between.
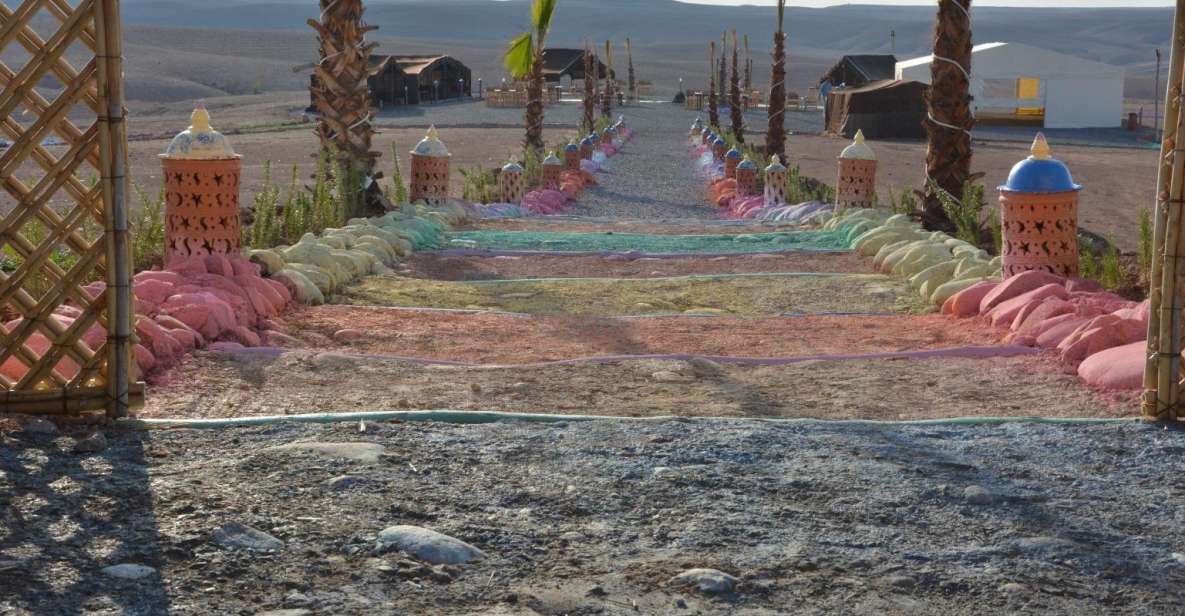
x: 1162, y: 371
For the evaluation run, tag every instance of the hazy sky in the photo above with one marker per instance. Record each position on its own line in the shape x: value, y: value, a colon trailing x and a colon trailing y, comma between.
x: 1024, y: 3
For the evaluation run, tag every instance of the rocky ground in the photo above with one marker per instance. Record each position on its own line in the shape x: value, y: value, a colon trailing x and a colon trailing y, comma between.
x: 707, y: 487
x: 596, y: 518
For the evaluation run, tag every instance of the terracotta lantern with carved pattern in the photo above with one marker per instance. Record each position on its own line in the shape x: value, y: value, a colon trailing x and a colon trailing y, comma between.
x: 856, y: 187
x: 1039, y: 215
x: 775, y: 183
x: 201, y: 181
x: 430, y: 170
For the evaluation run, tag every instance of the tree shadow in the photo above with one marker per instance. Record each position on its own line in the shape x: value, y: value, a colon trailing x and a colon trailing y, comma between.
x: 64, y: 516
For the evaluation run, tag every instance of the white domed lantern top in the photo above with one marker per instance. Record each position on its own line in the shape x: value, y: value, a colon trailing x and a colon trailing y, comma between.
x: 775, y: 165
x: 512, y: 167
x: 431, y: 145
x: 858, y: 150
x: 199, y: 141
x: 552, y: 159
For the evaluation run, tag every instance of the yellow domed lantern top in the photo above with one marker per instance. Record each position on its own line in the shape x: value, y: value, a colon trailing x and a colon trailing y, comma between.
x: 858, y: 150
x: 431, y: 145
x: 200, y: 141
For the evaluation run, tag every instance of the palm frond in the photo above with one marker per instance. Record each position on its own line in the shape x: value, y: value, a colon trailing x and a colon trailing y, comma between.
x: 541, y: 13
x: 520, y: 55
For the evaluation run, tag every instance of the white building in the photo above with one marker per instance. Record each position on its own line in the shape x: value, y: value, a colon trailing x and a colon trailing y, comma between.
x: 1011, y: 82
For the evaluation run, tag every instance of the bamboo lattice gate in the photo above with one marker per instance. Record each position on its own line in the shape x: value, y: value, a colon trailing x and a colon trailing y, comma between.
x: 65, y: 343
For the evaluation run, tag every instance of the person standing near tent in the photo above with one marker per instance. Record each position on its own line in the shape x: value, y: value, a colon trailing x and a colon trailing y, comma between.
x: 824, y: 90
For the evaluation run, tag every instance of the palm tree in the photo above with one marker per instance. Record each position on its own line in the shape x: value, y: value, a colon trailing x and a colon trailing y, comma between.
x: 524, y: 59
x: 775, y: 135
x: 713, y: 109
x: 610, y: 83
x: 722, y: 78
x: 948, y: 156
x: 748, y: 67
x: 590, y: 89
x: 736, y: 111
x: 633, y: 85
x: 341, y: 96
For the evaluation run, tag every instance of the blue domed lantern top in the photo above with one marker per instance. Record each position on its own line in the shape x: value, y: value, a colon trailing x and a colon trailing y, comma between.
x: 586, y: 141
x: 733, y: 153
x: 1040, y: 173
x: 747, y: 164
x: 572, y: 147
x: 719, y: 141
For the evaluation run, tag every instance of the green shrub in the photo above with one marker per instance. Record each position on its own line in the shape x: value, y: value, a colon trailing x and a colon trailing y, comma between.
x: 966, y: 213
x: 397, y: 192
x: 801, y: 188
x: 479, y: 186
x: 1145, y: 254
x: 996, y: 226
x: 904, y: 202
x: 1088, y: 266
x: 1111, y: 276
x: 265, y: 230
x: 148, y: 230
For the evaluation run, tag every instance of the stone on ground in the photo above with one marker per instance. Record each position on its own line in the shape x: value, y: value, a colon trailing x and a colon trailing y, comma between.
x: 428, y: 545
x: 707, y: 581
x: 240, y: 536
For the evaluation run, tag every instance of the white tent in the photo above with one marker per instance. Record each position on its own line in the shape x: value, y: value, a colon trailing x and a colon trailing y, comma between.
x: 1010, y: 81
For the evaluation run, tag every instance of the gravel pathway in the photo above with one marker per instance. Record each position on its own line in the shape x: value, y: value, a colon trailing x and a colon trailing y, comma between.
x: 597, y: 518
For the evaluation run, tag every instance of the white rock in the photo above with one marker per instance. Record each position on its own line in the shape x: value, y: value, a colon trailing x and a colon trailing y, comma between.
x: 240, y: 536
x: 978, y: 495
x: 708, y: 581
x: 129, y: 571
x: 428, y: 545
x: 358, y: 452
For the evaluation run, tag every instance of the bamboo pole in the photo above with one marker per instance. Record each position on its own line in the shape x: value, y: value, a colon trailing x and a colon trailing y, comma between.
x: 1162, y: 369
x: 113, y: 154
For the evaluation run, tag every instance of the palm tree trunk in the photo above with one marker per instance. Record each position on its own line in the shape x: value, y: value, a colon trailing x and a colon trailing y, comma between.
x: 748, y: 67
x: 590, y: 89
x: 633, y: 85
x: 736, y: 110
x: 722, y: 78
x: 610, y: 85
x: 713, y: 109
x: 341, y: 94
x: 775, y: 135
x: 948, y: 157
x: 534, y: 115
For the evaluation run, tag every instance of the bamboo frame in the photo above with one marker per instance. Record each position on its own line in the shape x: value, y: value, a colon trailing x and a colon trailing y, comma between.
x: 100, y: 379
x: 1163, y: 368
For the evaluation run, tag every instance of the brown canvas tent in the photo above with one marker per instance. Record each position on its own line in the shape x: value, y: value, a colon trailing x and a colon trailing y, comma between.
x: 888, y: 109
x: 857, y: 70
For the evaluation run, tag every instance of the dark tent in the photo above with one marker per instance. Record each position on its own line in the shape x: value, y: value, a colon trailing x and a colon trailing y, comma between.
x: 570, y: 62
x: 857, y: 70
x: 887, y: 109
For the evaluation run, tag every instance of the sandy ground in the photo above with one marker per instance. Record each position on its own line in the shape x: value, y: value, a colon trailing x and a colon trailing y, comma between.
x: 294, y: 382
x: 508, y: 339
x: 490, y: 268
x: 744, y: 294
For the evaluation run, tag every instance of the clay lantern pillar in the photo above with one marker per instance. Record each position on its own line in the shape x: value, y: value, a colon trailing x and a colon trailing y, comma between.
x: 510, y: 181
x: 719, y: 148
x: 586, y: 148
x: 1039, y: 215
x: 856, y: 186
x: 732, y: 158
x: 572, y: 157
x: 430, y: 170
x: 775, y: 183
x: 552, y: 168
x: 201, y: 179
x: 697, y: 129
x: 705, y: 136
x: 746, y: 175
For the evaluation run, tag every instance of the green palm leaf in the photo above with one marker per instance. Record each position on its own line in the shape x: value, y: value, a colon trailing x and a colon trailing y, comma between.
x: 519, y: 56
x: 541, y: 14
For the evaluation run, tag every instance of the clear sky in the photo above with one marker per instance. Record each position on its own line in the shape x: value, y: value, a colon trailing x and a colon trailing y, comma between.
x: 1024, y: 3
